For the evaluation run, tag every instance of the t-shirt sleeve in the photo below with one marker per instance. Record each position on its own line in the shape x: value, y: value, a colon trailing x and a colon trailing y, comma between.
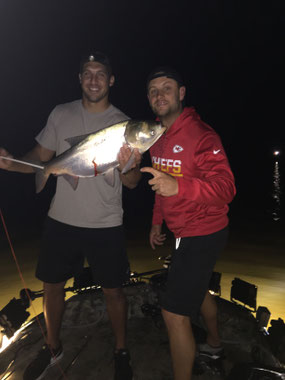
x: 47, y: 136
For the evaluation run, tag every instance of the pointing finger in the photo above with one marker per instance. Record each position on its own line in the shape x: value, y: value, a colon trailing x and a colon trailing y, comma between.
x: 150, y: 170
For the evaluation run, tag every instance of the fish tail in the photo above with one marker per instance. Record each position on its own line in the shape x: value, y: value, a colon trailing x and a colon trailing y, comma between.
x: 41, y: 179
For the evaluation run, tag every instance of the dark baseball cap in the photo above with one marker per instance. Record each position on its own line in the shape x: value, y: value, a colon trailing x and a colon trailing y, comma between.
x: 165, y: 71
x: 96, y: 56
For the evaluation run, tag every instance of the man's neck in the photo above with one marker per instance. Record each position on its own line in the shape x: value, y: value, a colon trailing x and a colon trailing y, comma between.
x: 95, y: 107
x: 167, y: 121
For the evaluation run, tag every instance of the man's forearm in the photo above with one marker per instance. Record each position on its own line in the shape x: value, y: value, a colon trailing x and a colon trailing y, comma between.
x: 36, y: 155
x: 21, y: 168
x: 14, y: 166
x: 131, y: 178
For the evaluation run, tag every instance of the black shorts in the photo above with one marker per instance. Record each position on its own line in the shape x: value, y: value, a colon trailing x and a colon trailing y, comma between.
x: 192, y: 264
x: 64, y: 248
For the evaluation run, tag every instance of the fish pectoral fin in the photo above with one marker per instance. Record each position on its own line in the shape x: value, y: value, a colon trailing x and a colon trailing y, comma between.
x: 129, y: 164
x: 72, y: 180
x: 109, y: 177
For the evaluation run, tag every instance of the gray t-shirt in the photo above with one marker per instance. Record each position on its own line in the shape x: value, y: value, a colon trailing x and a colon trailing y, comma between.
x: 94, y: 204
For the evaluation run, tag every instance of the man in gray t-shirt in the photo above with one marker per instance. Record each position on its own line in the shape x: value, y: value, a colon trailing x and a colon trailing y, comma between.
x: 86, y: 223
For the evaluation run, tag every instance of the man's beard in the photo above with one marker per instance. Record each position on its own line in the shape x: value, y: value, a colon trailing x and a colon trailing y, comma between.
x: 165, y: 113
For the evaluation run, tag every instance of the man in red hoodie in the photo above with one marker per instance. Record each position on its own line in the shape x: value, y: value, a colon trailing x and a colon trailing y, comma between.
x: 193, y: 186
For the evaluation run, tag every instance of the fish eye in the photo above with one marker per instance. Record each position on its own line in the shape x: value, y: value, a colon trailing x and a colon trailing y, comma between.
x: 152, y: 133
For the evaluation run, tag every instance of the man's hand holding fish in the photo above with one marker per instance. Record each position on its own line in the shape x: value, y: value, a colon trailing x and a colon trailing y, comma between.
x: 130, y: 178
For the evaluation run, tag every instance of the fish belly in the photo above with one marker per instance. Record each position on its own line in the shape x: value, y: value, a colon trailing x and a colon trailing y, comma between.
x: 89, y: 159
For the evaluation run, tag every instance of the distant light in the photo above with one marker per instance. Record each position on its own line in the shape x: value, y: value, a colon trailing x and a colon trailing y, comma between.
x: 276, y: 153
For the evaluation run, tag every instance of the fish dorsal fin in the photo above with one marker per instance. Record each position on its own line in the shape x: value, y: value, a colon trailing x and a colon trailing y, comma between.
x: 75, y: 140
x: 72, y: 180
x: 129, y: 164
x: 109, y: 177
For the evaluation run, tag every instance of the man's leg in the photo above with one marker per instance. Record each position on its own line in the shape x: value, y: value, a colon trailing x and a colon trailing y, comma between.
x: 52, y: 352
x: 209, y: 314
x: 116, y: 304
x: 182, y: 344
x: 53, y: 304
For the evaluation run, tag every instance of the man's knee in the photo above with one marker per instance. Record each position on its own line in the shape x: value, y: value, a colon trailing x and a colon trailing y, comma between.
x: 173, y: 320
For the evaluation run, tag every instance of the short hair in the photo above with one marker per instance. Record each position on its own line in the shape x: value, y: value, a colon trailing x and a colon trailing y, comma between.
x: 96, y: 56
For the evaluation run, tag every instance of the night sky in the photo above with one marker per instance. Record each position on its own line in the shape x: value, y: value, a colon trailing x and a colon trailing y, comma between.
x: 230, y: 53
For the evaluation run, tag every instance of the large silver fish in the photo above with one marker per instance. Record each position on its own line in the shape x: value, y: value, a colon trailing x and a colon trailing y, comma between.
x: 96, y: 153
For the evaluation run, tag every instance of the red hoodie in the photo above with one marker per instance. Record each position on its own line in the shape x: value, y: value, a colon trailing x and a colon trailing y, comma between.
x: 192, y: 152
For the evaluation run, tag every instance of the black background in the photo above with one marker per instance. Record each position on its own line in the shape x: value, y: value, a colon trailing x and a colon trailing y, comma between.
x: 230, y: 53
